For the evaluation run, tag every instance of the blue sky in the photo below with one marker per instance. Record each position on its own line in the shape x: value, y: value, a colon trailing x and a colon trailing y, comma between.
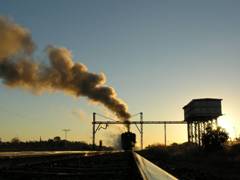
x: 158, y: 55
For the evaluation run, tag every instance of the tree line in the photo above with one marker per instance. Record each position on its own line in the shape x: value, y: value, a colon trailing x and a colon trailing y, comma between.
x: 56, y: 144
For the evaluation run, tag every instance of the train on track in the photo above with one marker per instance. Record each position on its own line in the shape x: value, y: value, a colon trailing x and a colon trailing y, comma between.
x: 128, y: 140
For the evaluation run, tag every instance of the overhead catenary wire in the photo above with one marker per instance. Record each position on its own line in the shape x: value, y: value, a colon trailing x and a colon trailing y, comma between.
x: 106, y: 117
x: 135, y: 115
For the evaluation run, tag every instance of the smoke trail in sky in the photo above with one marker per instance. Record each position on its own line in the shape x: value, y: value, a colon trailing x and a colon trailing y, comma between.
x: 19, y: 69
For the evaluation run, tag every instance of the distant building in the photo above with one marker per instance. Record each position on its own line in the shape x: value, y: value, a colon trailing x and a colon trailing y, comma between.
x: 199, y: 113
x: 202, y: 109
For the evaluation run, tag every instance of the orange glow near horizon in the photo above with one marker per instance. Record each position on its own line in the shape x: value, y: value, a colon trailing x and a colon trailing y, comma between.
x: 226, y: 123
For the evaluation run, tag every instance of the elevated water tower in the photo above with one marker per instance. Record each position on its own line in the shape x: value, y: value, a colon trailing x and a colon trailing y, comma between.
x: 198, y: 114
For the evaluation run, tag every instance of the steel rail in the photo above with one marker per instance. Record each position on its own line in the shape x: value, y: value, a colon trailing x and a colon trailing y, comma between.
x: 150, y: 171
x: 111, y: 163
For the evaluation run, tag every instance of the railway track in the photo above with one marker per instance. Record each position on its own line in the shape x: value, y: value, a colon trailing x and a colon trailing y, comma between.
x: 117, y: 166
x: 77, y: 166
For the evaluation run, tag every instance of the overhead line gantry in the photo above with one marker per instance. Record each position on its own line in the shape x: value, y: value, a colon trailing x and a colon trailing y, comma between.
x: 97, y: 125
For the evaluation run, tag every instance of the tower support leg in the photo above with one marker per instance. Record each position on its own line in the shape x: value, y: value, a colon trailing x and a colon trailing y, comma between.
x: 199, y: 134
x: 195, y: 133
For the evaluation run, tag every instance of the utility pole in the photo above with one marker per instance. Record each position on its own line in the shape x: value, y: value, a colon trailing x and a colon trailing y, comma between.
x: 94, y: 131
x: 165, y: 134
x: 66, y: 131
x: 141, y: 125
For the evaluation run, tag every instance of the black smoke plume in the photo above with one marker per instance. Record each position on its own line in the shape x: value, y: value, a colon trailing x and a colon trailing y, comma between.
x: 18, y: 69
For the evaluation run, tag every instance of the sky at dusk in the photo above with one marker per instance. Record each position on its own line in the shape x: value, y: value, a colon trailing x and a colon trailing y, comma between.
x: 158, y: 55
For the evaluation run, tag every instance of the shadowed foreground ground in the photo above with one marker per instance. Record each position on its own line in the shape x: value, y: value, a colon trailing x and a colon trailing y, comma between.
x: 189, y: 163
x: 106, y: 166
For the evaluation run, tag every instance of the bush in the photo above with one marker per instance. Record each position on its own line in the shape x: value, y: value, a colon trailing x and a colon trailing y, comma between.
x: 214, y: 139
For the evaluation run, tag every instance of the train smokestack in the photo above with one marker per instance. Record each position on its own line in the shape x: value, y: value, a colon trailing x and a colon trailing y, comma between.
x: 128, y: 125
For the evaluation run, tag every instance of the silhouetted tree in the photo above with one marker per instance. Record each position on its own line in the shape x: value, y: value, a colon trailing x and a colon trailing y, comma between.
x: 57, y: 139
x: 15, y: 140
x: 237, y: 140
x: 214, y: 139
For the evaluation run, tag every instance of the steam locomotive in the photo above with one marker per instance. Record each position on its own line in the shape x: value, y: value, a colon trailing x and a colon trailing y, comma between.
x: 128, y: 140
